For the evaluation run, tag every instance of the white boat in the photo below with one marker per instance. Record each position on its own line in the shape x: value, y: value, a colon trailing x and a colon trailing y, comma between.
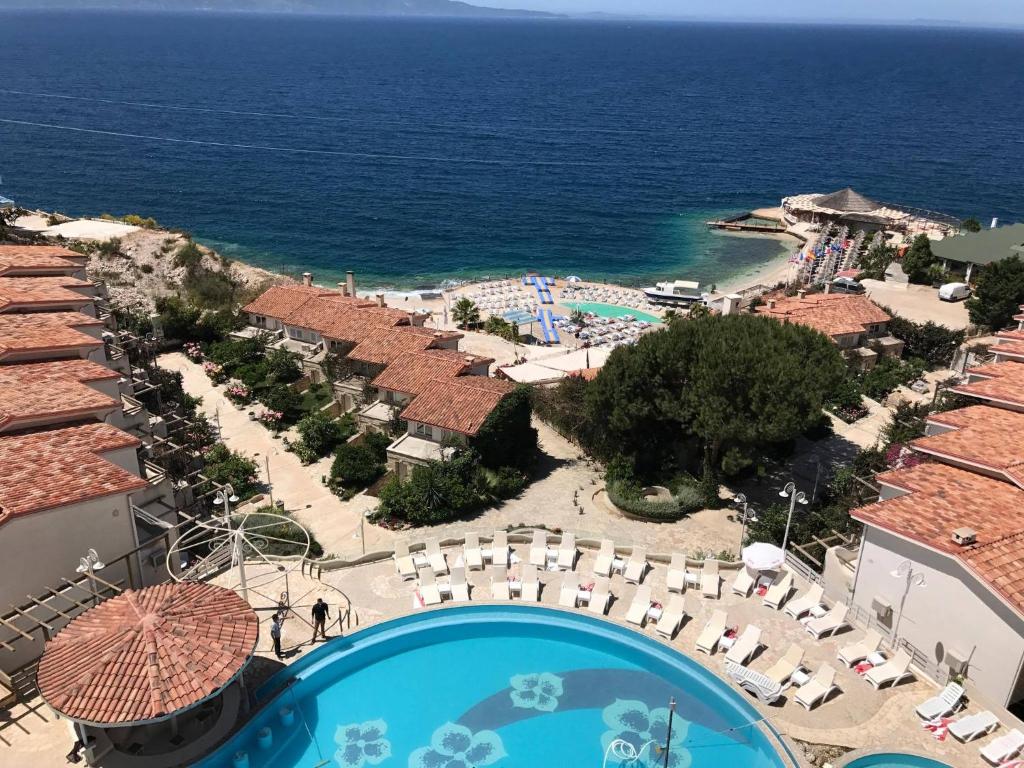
x: 677, y: 293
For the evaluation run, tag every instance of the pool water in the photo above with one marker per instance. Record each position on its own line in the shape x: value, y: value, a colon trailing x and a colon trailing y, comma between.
x: 512, y: 687
x: 894, y: 760
x: 610, y: 310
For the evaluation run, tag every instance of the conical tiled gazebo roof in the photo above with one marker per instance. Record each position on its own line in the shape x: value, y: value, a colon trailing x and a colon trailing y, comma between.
x: 847, y: 201
x: 146, y: 654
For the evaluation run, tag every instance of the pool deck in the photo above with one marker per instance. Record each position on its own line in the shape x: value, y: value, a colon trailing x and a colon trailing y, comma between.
x: 857, y: 718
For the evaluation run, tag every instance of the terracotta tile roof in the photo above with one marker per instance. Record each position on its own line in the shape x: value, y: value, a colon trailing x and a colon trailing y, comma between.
x: 415, y: 372
x: 833, y: 314
x: 55, y: 390
x: 992, y: 438
x: 382, y: 346
x: 337, y: 321
x: 943, y: 498
x: 280, y: 300
x: 41, y: 292
x: 147, y: 653
x: 44, y: 470
x: 1012, y: 351
x: 460, y: 405
x: 44, y: 332
x: 1013, y: 336
x: 1003, y: 383
x: 28, y: 259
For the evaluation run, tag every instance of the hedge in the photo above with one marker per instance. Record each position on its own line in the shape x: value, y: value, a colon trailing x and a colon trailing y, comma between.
x: 628, y: 499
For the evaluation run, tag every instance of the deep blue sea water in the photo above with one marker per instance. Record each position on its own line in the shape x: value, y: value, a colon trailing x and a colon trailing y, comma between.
x: 449, y: 147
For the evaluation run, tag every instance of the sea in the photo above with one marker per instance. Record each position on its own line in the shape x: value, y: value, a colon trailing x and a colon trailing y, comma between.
x: 415, y: 150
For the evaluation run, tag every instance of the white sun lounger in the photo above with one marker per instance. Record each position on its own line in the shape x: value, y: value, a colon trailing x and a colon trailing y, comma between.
x: 637, y: 613
x: 605, y: 556
x: 429, y: 591
x: 671, y: 616
x: 712, y: 633
x: 637, y: 565
x: 857, y: 652
x: 746, y: 645
x: 471, y: 554
x: 709, y: 581
x: 458, y: 585
x: 784, y: 668
x: 766, y: 689
x: 499, y: 549
x: 779, y: 591
x: 539, y: 549
x: 568, y: 595
x: 404, y: 565
x: 743, y: 583
x: 1005, y: 748
x: 828, y: 624
x: 943, y: 705
x: 818, y: 688
x: 529, y: 592
x: 892, y: 672
x: 801, y: 605
x: 974, y: 726
x: 567, y: 552
x: 499, y: 583
x: 600, y: 596
x: 675, y: 579
x: 435, y: 557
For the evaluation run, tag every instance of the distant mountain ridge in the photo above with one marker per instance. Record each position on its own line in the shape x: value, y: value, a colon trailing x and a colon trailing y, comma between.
x: 339, y: 7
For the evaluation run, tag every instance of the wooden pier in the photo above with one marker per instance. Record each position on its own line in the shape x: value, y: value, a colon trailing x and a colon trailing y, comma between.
x: 748, y: 222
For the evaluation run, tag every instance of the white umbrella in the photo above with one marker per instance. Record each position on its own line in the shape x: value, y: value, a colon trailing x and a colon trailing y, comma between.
x: 762, y: 556
x: 574, y: 279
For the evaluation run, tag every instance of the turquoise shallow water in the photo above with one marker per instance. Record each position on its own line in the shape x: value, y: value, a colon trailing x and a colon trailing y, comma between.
x: 410, y: 150
x: 895, y: 760
x: 610, y: 310
x: 504, y: 686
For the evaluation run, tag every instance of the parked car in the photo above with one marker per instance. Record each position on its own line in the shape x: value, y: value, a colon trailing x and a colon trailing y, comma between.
x: 954, y: 291
x: 846, y: 285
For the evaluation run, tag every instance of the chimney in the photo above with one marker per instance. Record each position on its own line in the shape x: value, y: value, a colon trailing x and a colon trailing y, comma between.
x: 771, y: 303
x: 307, y: 278
x: 469, y: 359
x: 343, y: 287
x: 801, y: 294
x: 828, y: 287
x: 380, y: 299
x: 964, y: 536
x: 350, y: 281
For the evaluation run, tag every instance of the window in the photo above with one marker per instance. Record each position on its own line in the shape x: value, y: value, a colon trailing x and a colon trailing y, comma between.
x: 425, y: 430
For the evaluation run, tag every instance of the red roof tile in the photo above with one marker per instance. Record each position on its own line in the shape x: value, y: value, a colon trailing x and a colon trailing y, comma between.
x: 832, y: 314
x: 44, y: 470
x: 145, y: 654
x: 1013, y: 336
x: 941, y: 499
x: 55, y: 390
x: 44, y: 332
x: 987, y: 437
x: 415, y: 372
x: 460, y: 405
x: 280, y: 300
x: 338, y: 319
x: 1003, y: 383
x: 382, y: 346
x: 41, y: 293
x: 1012, y: 351
x: 33, y: 259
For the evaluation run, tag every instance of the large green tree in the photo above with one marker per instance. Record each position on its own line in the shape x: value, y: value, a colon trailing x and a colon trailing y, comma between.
x: 717, y: 391
x: 507, y: 438
x: 998, y: 294
x: 918, y: 259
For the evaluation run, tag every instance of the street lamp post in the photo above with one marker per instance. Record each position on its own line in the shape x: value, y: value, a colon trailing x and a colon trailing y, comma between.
x: 89, y: 565
x: 790, y: 492
x: 905, y: 570
x: 227, y: 497
x: 740, y: 499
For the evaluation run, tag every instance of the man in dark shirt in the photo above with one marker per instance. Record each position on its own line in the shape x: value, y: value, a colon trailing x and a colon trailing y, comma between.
x: 320, y: 615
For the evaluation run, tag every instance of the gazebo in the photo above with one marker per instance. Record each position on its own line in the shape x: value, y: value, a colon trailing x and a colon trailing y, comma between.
x: 125, y: 671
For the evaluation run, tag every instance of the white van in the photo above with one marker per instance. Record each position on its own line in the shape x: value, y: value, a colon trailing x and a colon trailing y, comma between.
x: 954, y: 291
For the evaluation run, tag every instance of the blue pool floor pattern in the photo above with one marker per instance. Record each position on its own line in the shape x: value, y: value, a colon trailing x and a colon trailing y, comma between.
x: 408, y: 699
x: 894, y: 760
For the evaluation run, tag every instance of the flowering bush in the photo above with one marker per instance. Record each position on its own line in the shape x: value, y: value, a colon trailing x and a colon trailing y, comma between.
x: 270, y: 419
x: 238, y: 394
x: 901, y: 457
x: 193, y: 352
x: 215, y: 371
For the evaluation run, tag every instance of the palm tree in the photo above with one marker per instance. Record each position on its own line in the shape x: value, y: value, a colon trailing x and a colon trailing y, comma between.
x: 578, y: 318
x: 465, y: 313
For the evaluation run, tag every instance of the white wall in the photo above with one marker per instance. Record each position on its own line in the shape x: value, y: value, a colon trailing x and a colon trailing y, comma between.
x: 952, y: 611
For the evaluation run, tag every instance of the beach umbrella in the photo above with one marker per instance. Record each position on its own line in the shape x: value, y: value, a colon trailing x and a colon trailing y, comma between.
x: 762, y: 556
x: 574, y: 279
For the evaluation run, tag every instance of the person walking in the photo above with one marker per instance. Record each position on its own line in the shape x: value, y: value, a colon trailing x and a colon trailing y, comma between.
x: 321, y: 612
x: 275, y: 635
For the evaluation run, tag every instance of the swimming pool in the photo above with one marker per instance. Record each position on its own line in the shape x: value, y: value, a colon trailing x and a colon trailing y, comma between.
x: 610, y: 310
x: 508, y: 686
x: 893, y: 760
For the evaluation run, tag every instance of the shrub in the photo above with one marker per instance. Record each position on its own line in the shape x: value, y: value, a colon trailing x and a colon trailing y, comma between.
x: 209, y: 289
x: 224, y: 466
x: 146, y: 269
x: 437, y: 492
x: 262, y: 524
x: 356, y: 466
x: 188, y: 256
x: 281, y: 398
x: 505, y: 483
x: 628, y: 498
x: 320, y: 433
x: 890, y: 373
x: 933, y: 343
